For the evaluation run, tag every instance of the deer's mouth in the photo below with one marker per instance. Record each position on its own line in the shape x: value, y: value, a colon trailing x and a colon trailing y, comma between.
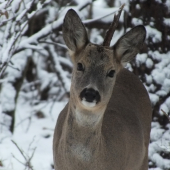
x: 90, y: 97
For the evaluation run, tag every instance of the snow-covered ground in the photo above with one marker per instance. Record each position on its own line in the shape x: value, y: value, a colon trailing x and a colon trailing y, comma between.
x: 32, y: 135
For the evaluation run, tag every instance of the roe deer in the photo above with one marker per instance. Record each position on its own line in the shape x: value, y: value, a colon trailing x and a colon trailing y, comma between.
x: 106, y: 123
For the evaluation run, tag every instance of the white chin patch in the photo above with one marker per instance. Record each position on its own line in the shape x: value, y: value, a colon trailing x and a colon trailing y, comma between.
x: 88, y: 104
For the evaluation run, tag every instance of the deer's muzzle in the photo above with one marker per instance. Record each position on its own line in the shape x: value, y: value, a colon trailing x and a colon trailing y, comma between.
x: 89, y: 97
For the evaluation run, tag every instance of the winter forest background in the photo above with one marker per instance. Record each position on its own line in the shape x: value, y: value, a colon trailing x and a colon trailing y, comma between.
x: 35, y: 72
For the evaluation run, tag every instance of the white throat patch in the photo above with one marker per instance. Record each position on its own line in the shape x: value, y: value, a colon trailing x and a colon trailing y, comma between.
x: 88, y: 104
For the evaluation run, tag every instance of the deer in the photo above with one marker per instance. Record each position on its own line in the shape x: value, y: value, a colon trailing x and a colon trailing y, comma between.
x: 107, y: 121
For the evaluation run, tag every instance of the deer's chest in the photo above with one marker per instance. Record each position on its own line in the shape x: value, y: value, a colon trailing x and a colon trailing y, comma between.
x: 80, y: 152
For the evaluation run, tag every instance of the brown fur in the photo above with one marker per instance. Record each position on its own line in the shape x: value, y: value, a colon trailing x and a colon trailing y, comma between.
x: 119, y: 142
x: 114, y: 134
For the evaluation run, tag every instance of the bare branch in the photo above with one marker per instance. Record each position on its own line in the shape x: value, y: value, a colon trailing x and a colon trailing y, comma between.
x: 166, y: 114
x: 18, y: 160
x: 21, y: 151
x: 9, y: 47
x: 54, y: 43
x: 58, y: 70
x: 26, y: 157
x: 89, y: 21
x: 113, y: 26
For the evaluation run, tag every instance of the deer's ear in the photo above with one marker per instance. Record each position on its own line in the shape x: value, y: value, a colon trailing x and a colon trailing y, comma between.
x: 129, y: 45
x: 74, y: 32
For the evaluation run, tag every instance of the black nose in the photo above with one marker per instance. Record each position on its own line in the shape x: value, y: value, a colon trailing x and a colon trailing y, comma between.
x: 90, y: 95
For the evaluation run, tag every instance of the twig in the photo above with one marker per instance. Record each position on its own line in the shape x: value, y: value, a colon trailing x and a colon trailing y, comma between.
x: 27, y: 158
x: 89, y: 21
x: 51, y: 108
x: 112, y: 28
x: 9, y: 49
x: 85, y: 5
x: 17, y: 159
x: 19, y: 149
x: 31, y: 143
x: 14, y: 67
x: 166, y: 114
x: 45, y: 128
x: 53, y: 56
x: 54, y: 43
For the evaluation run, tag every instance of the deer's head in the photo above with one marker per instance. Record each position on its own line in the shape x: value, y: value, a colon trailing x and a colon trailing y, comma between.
x: 96, y: 66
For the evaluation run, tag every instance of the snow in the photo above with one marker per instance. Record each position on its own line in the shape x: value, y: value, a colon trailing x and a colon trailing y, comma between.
x: 153, y: 33
x: 148, y: 78
x: 159, y: 143
x: 160, y: 161
x: 138, y: 6
x: 105, y: 12
x: 156, y: 132
x: 167, y: 3
x: 137, y: 21
x: 155, y: 55
x: 6, y: 97
x: 62, y: 73
x: 15, y: 5
x: 106, y: 16
x: 154, y: 98
x: 29, y: 135
x: 161, y: 93
x: 159, y: 1
x: 21, y: 15
x: 2, y: 6
x: 149, y: 63
x: 101, y: 3
x: 167, y: 102
x: 151, y: 88
x: 158, y: 76
x: 167, y: 21
x: 65, y: 61
x: 141, y: 59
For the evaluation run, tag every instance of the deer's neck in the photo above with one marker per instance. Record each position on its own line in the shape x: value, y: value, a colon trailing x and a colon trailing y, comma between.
x: 86, y: 119
x: 83, y: 132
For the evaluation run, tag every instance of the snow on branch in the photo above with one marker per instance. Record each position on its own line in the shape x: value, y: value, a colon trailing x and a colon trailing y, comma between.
x: 62, y: 75
x: 48, y: 29
x: 57, y: 25
x: 14, y: 21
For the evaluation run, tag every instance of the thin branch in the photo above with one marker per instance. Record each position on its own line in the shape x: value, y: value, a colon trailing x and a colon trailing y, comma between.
x: 54, y: 43
x: 52, y: 27
x: 89, y: 21
x: 85, y: 5
x: 28, y: 159
x: 18, y: 160
x: 56, y: 25
x: 32, y: 154
x: 14, y: 67
x: 57, y: 68
x: 20, y: 150
x: 9, y: 48
x: 5, y: 21
x: 166, y: 114
x: 113, y: 26
x: 31, y: 143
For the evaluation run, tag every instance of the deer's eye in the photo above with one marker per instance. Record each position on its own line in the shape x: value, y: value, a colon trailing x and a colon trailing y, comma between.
x: 111, y: 73
x: 80, y: 67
